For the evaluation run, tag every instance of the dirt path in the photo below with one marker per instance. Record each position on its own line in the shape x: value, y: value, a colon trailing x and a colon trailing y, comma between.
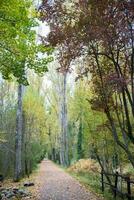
x: 55, y: 184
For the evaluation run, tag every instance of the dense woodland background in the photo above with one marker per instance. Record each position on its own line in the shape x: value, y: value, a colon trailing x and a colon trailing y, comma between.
x: 67, y: 95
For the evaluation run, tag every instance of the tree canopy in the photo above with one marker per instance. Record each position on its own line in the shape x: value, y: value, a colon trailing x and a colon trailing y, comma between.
x: 19, y: 50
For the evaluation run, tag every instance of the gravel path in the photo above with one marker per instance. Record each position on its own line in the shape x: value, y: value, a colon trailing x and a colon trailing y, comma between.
x: 58, y: 185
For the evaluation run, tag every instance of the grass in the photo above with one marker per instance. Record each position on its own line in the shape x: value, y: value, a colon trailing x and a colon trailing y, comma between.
x: 92, y: 182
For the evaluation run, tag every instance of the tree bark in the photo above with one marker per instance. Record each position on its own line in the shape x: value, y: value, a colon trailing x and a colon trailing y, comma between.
x: 18, y: 139
x: 64, y: 159
x: 79, y: 142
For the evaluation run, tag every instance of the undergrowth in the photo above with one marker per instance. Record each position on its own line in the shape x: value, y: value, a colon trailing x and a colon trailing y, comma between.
x: 92, y: 181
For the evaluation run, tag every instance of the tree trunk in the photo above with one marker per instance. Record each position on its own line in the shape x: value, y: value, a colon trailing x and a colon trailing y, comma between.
x: 63, y: 115
x: 79, y: 142
x: 18, y: 139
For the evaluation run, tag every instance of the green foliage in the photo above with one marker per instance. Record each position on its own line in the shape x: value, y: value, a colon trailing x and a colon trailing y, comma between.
x: 7, y: 128
x: 92, y: 182
x: 18, y: 46
x: 35, y: 134
x: 89, y: 130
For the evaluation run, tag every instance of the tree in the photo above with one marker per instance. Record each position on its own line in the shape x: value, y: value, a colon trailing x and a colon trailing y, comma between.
x: 64, y: 122
x: 79, y: 143
x: 7, y: 127
x: 103, y: 32
x: 19, y: 51
x: 18, y: 47
x: 18, y: 139
x: 34, y: 129
x: 58, y: 110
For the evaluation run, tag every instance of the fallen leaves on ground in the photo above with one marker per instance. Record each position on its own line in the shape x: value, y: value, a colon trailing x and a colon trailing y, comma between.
x: 33, y: 191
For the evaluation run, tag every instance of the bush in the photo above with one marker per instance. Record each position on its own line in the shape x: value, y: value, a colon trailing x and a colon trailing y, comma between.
x: 85, y: 165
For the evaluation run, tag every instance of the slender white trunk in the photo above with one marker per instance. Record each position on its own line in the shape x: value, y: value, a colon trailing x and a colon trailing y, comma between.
x: 63, y: 118
x: 18, y: 139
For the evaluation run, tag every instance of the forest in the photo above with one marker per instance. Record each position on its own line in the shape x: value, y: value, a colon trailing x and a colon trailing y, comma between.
x: 67, y: 91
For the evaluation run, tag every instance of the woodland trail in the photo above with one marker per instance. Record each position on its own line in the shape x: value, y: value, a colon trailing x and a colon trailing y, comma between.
x: 58, y: 185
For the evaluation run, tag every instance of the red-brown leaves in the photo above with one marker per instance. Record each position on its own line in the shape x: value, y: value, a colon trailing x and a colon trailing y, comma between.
x: 105, y: 23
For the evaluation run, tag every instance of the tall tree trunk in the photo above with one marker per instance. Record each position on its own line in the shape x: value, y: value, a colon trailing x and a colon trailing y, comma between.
x: 18, y: 139
x: 79, y: 142
x: 64, y: 135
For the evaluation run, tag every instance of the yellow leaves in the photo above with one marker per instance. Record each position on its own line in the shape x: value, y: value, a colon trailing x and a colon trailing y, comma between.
x: 33, y: 104
x: 84, y: 165
x: 34, y: 111
x: 33, y: 12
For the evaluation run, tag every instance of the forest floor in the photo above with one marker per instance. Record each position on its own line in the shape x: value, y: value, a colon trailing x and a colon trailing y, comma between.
x: 56, y: 184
